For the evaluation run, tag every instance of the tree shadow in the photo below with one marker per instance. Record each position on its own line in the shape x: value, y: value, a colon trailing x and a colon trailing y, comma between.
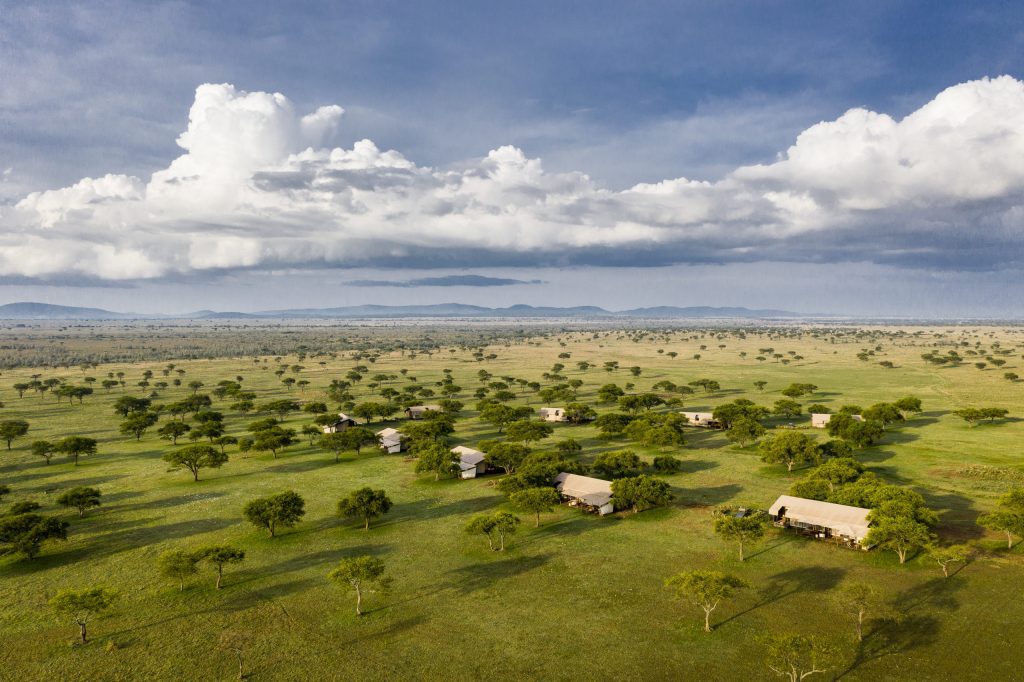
x: 890, y: 636
x: 891, y: 475
x: 74, y: 482
x: 893, y: 436
x: 131, y: 535
x: 959, y: 519
x: 786, y: 583
x: 427, y: 509
x: 475, y: 577
x: 781, y: 540
x: 936, y: 593
x: 924, y: 418
x: 391, y: 629
x: 698, y: 437
x: 692, y: 466
x: 254, y: 597
x: 907, y: 629
x: 163, y: 503
x: 872, y: 455
x: 563, y: 528
x: 704, y: 497
x: 302, y: 466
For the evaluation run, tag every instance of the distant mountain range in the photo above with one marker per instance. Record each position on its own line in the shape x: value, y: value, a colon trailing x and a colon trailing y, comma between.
x: 45, y: 311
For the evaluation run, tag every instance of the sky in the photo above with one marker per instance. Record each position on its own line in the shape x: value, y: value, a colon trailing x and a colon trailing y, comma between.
x: 843, y: 158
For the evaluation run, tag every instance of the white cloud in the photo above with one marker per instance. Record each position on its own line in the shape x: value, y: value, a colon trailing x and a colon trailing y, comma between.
x: 257, y: 187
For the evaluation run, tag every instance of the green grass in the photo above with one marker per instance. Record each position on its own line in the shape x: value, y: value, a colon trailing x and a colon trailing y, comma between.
x: 579, y: 598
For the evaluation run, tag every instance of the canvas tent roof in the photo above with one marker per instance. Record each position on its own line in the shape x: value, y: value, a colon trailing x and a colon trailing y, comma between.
x: 468, y: 457
x: 592, y: 491
x: 848, y: 521
x: 389, y: 437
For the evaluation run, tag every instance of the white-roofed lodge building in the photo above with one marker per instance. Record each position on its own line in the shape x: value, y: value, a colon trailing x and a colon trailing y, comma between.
x: 825, y: 520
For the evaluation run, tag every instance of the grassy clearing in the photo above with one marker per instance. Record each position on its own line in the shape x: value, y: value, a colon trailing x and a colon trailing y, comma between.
x: 580, y: 597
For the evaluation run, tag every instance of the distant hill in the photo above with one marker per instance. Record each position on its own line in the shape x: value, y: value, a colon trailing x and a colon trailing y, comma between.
x: 219, y: 315
x: 45, y: 311
x: 707, y: 311
x: 463, y: 310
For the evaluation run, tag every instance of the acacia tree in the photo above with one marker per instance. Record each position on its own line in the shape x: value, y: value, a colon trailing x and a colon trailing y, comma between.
x: 435, y: 458
x: 136, y: 424
x: 525, y: 431
x: 81, y: 498
x: 235, y: 642
x: 25, y: 531
x: 283, y: 510
x: 796, y: 656
x: 82, y: 605
x: 272, y: 439
x: 220, y: 556
x: 359, y: 574
x: 744, y: 430
x: 334, y: 442
x: 500, y: 415
x: 505, y: 525
x: 177, y: 564
x: 789, y: 448
x: 951, y: 554
x: 76, y: 446
x: 742, y: 530
x: 901, y: 534
x: 786, y: 408
x: 908, y: 404
x: 507, y: 456
x: 640, y: 492
x: 1008, y: 517
x: 357, y: 437
x: 44, y: 449
x: 173, y: 430
x: 12, y: 429
x: 857, y: 598
x: 195, y: 457
x: 365, y: 503
x: 617, y: 464
x: 536, y: 501
x: 482, y: 523
x: 706, y: 589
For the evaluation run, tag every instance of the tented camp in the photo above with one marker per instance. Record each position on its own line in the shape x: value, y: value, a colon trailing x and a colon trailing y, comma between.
x: 390, y: 440
x: 471, y: 462
x: 552, y: 414
x: 821, y: 519
x: 593, y: 494
x: 340, y: 424
x: 417, y: 411
x: 703, y: 419
x: 820, y: 421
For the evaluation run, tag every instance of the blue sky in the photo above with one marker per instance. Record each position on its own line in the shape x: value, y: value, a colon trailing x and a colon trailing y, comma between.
x: 624, y: 93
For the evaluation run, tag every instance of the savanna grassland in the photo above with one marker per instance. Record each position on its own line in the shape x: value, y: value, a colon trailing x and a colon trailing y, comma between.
x: 580, y: 597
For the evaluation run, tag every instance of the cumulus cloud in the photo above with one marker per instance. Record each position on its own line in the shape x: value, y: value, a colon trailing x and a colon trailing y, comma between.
x: 258, y: 186
x: 445, y: 281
